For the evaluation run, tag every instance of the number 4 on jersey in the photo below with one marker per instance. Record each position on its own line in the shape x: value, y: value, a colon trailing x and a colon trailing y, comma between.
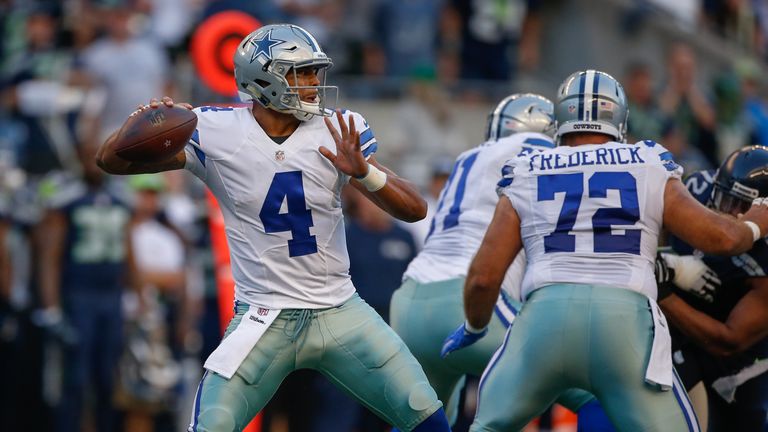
x: 288, y: 186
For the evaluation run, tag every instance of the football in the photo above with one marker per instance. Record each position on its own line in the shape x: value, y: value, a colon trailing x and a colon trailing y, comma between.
x: 155, y: 134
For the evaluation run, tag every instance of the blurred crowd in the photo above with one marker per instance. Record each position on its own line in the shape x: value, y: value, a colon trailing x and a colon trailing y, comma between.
x: 110, y: 333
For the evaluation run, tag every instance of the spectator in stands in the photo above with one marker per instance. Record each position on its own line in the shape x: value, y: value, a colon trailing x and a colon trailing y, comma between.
x: 646, y: 119
x: 739, y: 21
x: 427, y: 127
x: 755, y: 110
x: 683, y: 100
x: 404, y: 37
x: 84, y: 257
x: 42, y: 89
x: 160, y: 327
x: 131, y: 68
x: 492, y: 39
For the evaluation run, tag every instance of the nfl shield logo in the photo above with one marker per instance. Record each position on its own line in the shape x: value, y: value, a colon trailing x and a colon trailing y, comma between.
x: 571, y: 108
x: 262, y: 311
x: 280, y: 155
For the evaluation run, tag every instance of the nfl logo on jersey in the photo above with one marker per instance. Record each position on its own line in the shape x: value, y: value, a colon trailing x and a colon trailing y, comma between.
x: 280, y: 155
x: 262, y: 311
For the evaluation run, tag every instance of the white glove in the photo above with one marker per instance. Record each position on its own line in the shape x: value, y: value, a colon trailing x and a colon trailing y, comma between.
x: 693, y: 276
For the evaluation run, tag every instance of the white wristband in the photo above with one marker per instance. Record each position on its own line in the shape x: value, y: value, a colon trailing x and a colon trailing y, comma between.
x: 374, y: 180
x: 756, y: 235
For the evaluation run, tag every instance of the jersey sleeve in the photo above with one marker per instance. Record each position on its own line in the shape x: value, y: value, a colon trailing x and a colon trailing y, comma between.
x: 663, y: 157
x: 368, y: 143
x: 503, y: 187
x: 195, y: 156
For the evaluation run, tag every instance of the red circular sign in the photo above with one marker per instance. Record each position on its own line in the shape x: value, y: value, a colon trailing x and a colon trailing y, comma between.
x: 213, y: 48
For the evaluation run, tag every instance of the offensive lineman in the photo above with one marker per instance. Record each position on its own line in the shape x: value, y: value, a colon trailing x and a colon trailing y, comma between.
x: 588, y: 213
x: 277, y: 170
x: 427, y: 305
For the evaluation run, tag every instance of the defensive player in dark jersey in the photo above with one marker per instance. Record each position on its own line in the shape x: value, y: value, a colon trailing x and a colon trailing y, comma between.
x: 84, y: 255
x: 719, y: 331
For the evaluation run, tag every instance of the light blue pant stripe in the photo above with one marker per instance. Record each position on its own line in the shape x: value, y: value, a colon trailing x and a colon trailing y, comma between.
x: 682, y: 398
x: 196, y: 411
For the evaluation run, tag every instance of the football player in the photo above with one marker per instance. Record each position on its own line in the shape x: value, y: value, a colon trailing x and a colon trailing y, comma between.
x: 719, y: 335
x: 277, y: 169
x: 427, y: 306
x: 589, y: 213
x: 85, y: 259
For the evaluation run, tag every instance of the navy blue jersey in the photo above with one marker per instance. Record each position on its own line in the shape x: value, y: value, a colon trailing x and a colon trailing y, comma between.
x: 732, y: 271
x: 94, y: 254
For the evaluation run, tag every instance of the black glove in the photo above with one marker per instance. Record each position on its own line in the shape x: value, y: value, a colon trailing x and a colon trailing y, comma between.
x: 664, y: 277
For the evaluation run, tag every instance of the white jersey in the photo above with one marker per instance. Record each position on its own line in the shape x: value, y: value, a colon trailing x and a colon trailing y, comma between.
x: 466, y: 207
x: 591, y: 214
x: 281, y: 205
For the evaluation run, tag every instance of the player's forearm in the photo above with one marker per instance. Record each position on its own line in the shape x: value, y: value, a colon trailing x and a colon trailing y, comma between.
x: 712, y: 335
x: 725, y: 237
x: 480, y: 294
x: 398, y: 197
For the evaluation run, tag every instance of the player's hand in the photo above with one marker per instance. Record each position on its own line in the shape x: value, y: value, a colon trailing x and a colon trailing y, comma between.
x: 664, y: 277
x: 461, y: 338
x: 154, y: 103
x: 690, y: 274
x: 348, y: 158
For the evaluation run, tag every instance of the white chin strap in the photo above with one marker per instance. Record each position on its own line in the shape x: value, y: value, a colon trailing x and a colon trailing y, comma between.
x: 309, y: 109
x: 302, y: 115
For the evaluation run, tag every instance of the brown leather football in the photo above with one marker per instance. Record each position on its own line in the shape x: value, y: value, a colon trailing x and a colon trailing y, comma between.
x: 155, y: 134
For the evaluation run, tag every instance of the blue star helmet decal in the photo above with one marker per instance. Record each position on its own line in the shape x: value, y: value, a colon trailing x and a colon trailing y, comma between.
x: 264, y: 45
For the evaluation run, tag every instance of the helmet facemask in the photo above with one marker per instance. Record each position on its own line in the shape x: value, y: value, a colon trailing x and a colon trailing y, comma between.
x: 291, y: 101
x: 742, y: 177
x: 728, y: 202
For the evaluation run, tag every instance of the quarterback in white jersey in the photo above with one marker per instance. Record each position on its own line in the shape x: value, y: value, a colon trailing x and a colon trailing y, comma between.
x: 286, y: 239
x: 277, y: 169
x: 586, y: 325
x: 428, y: 304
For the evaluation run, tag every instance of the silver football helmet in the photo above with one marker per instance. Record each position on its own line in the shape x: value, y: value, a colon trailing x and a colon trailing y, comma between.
x: 591, y: 101
x: 267, y: 55
x: 521, y: 112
